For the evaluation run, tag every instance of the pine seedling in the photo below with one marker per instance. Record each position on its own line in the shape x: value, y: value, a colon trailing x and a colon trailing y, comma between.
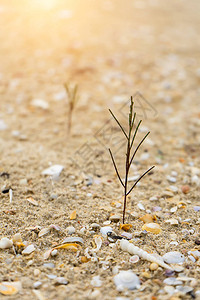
x: 130, y: 137
x: 72, y: 100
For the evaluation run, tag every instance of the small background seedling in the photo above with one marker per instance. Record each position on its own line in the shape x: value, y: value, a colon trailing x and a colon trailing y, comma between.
x: 130, y: 138
x: 72, y: 95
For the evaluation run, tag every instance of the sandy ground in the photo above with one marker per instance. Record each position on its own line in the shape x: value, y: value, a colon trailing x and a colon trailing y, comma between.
x: 111, y: 50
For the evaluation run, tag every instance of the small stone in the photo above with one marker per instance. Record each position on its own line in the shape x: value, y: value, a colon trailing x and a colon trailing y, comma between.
x: 49, y: 265
x: 70, y: 229
x: 197, y: 241
x: 171, y: 179
x: 36, y: 272
x: 196, y: 208
x: 96, y: 281
x: 5, y: 243
x: 140, y: 206
x: 37, y: 284
x: 146, y: 275
x: 23, y: 181
x: 169, y: 290
x: 153, y: 266
x: 185, y: 189
x: 3, y: 125
x: 30, y: 263
x: 54, y: 252
x: 51, y: 276
x: 172, y: 281
x: 115, y: 218
x: 61, y: 281
x: 54, y: 170
x: 40, y: 103
x: 53, y: 196
x: 28, y: 250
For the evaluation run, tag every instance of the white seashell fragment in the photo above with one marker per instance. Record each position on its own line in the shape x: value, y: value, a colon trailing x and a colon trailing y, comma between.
x: 172, y: 281
x: 3, y: 125
x: 172, y: 221
x: 104, y: 230
x: 54, y: 252
x: 73, y: 239
x: 43, y: 231
x: 96, y: 281
x: 134, y: 259
x: 54, y: 170
x: 134, y: 250
x: 40, y: 103
x: 115, y: 218
x: 98, y: 242
x: 174, y: 257
x: 28, y: 250
x: 70, y: 229
x: 173, y: 209
x: 140, y: 206
x: 126, y: 279
x: 5, y: 243
x: 17, y: 238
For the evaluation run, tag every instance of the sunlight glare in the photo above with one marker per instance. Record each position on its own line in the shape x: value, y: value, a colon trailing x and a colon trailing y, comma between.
x: 44, y: 4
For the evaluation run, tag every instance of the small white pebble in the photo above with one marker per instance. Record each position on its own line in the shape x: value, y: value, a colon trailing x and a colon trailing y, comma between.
x: 37, y: 284
x: 140, y: 206
x: 54, y: 252
x: 96, y: 281
x: 70, y: 229
x: 171, y: 179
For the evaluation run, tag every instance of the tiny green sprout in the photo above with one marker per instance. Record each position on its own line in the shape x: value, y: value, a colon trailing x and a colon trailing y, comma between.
x: 72, y: 94
x: 130, y: 137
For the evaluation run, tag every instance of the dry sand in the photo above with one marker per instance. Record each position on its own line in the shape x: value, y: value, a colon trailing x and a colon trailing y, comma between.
x: 111, y: 49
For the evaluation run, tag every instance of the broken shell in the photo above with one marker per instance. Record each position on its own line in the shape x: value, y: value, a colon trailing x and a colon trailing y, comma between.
x: 70, y: 229
x: 43, y: 231
x: 8, y: 289
x: 54, y: 170
x: 98, y: 242
x: 5, y: 243
x: 148, y: 218
x: 28, y: 250
x: 134, y: 250
x: 73, y: 215
x: 105, y: 230
x: 174, y: 257
x: 127, y: 235
x: 115, y: 218
x: 47, y: 253
x: 69, y: 246
x: 172, y: 221
x: 61, y: 281
x: 54, y: 252
x: 32, y: 201
x: 96, y: 281
x: 152, y: 227
x: 17, y: 238
x: 125, y: 227
x: 153, y: 266
x: 134, y: 259
x: 126, y: 279
x: 73, y: 239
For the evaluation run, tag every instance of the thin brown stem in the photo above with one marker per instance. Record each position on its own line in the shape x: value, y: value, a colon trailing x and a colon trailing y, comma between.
x: 138, y: 147
x: 116, y: 167
x: 139, y: 179
x: 118, y: 123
